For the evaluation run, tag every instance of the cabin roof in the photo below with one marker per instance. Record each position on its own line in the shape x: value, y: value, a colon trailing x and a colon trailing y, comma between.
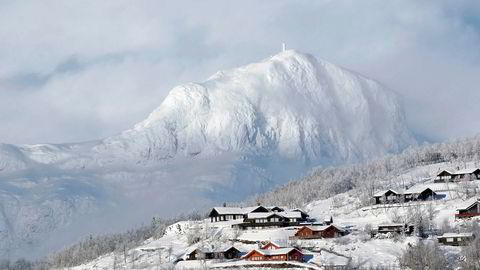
x: 451, y: 172
x: 382, y: 192
x: 271, y: 242
x: 459, y: 172
x: 269, y: 214
x: 270, y: 252
x: 448, y: 235
x: 262, y: 215
x: 292, y: 214
x: 320, y: 228
x: 236, y: 210
x: 466, y: 171
x: 417, y: 189
x: 468, y: 203
x: 392, y: 225
x: 210, y: 249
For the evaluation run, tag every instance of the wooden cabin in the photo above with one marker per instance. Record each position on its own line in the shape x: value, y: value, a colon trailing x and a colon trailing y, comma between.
x: 419, y: 193
x: 211, y: 254
x: 271, y: 220
x: 317, y: 232
x: 234, y: 213
x: 387, y: 196
x: 396, y: 228
x: 456, y: 239
x: 281, y: 254
x: 459, y: 175
x: 471, y: 208
x: 415, y: 193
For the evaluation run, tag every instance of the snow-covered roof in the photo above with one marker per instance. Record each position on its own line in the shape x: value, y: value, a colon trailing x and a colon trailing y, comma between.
x: 382, y: 192
x: 271, y: 242
x: 324, y: 227
x: 269, y: 214
x: 235, y: 210
x: 449, y: 235
x: 466, y: 171
x: 298, y: 210
x: 291, y: 214
x: 230, y: 210
x: 392, y: 225
x: 447, y: 170
x: 417, y: 189
x: 209, y: 248
x: 262, y: 215
x: 458, y: 172
x: 468, y: 203
x: 271, y: 252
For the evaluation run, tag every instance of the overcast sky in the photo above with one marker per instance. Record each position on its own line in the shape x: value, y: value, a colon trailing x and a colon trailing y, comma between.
x: 82, y: 70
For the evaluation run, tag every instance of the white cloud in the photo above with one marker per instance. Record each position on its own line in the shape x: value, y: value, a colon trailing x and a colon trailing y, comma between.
x: 78, y: 70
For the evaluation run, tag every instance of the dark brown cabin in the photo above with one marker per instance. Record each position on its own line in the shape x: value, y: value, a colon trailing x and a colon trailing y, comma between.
x: 456, y: 239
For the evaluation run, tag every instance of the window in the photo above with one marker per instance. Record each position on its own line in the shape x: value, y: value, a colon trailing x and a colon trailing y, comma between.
x: 449, y: 240
x: 459, y: 239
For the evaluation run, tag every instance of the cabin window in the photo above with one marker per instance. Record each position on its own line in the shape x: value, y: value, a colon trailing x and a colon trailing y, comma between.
x: 459, y: 239
x: 449, y: 240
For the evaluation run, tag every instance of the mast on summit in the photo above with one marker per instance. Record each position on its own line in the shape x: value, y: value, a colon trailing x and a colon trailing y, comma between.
x: 284, y: 47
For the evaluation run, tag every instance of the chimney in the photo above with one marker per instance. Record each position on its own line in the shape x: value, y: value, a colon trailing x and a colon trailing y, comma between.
x: 224, y: 204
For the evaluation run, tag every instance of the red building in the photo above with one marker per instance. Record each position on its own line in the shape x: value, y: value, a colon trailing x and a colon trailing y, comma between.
x: 280, y: 254
x: 316, y: 232
x: 471, y: 208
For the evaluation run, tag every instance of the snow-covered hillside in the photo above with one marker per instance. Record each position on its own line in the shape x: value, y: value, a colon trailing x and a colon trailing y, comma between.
x: 240, y: 132
x: 357, y: 248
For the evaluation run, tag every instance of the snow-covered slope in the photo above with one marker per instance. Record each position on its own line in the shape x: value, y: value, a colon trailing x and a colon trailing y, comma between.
x: 239, y: 132
x: 358, y: 246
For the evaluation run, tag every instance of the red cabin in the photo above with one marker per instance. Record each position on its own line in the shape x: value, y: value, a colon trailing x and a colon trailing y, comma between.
x: 281, y: 254
x: 316, y: 232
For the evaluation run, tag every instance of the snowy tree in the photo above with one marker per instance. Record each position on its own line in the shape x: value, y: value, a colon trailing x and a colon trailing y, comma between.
x: 423, y: 256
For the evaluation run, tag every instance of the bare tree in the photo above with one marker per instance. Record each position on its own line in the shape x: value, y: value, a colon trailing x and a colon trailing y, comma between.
x: 423, y: 256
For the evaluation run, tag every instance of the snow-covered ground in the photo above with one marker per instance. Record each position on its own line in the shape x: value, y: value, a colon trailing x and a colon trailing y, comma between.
x: 357, y: 248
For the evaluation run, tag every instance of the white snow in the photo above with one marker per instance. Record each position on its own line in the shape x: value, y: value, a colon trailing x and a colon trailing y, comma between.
x: 240, y: 132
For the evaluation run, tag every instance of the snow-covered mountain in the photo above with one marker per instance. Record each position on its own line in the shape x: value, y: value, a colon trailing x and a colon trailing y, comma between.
x: 239, y: 132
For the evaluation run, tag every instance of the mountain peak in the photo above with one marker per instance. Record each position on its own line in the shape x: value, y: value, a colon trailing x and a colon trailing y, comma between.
x: 290, y: 105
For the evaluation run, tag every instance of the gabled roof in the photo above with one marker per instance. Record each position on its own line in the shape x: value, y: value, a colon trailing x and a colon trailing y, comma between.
x: 466, y: 171
x: 271, y: 252
x: 446, y: 171
x: 392, y: 225
x: 382, y: 192
x: 230, y: 210
x: 459, y: 172
x: 271, y: 243
x: 279, y: 214
x: 291, y: 214
x: 298, y: 210
x: 323, y: 228
x: 468, y: 203
x: 448, y: 235
x: 417, y: 189
x: 236, y: 210
x: 210, y: 249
